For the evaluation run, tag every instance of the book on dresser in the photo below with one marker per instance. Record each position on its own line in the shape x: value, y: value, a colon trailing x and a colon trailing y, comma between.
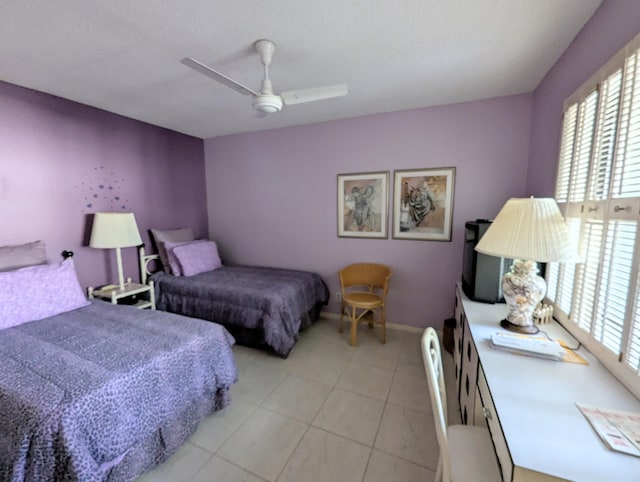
x: 528, y: 345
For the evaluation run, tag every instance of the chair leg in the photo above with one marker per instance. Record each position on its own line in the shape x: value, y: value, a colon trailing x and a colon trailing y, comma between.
x: 370, y: 315
x: 384, y: 325
x: 438, y: 476
x: 354, y: 326
x: 341, y: 315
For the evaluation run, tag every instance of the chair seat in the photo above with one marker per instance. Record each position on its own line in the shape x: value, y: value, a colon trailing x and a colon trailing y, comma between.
x: 472, y: 454
x: 362, y: 299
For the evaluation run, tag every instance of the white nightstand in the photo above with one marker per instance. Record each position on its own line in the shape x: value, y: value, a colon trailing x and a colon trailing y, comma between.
x: 116, y: 295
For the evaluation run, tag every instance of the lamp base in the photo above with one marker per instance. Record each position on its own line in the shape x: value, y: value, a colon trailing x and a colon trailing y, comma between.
x: 526, y: 329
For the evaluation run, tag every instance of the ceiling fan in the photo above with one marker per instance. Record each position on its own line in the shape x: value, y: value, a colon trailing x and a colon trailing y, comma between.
x: 265, y: 101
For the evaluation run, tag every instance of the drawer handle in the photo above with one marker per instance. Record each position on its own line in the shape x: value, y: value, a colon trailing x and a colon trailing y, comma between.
x: 486, y: 413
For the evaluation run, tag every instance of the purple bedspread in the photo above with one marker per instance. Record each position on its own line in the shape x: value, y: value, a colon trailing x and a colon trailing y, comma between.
x: 105, y: 392
x: 271, y: 302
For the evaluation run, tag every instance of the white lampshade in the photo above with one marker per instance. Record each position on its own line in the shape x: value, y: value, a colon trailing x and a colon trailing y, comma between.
x: 529, y: 229
x: 114, y: 230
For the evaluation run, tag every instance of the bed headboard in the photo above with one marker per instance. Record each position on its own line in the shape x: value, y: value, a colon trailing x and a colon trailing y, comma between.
x: 145, y: 259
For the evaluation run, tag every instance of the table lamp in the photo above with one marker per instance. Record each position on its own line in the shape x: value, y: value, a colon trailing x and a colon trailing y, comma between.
x: 115, y: 230
x: 527, y: 230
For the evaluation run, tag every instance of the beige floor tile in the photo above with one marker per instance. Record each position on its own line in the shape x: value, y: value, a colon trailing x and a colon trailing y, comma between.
x: 412, y: 368
x: 410, y: 392
x: 325, y: 457
x: 255, y: 382
x: 333, y: 347
x: 386, y: 468
x: 298, y: 398
x: 411, y: 351
x: 378, y: 355
x: 321, y: 367
x: 180, y: 467
x: 286, y: 365
x: 219, y: 470
x: 408, y: 434
x: 244, y: 356
x: 216, y: 428
x: 330, y: 329
x: 367, y: 380
x: 353, y: 416
x: 263, y: 443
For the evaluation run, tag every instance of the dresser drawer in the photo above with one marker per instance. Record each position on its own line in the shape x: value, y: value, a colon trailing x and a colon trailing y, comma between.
x: 457, y: 341
x: 499, y: 443
x: 468, y: 376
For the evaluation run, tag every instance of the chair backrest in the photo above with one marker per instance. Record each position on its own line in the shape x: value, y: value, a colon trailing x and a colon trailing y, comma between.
x: 432, y: 358
x: 371, y: 275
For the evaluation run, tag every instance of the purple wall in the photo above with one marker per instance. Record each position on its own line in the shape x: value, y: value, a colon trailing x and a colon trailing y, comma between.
x: 272, y: 194
x: 60, y: 161
x: 612, y: 26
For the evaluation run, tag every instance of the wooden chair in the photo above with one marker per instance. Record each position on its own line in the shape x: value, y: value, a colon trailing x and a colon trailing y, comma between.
x: 364, y: 287
x: 466, y: 451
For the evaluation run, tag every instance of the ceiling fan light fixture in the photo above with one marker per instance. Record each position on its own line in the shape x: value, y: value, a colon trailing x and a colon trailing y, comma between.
x: 267, y: 103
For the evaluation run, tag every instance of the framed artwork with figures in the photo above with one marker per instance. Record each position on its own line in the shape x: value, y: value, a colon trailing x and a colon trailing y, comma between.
x: 362, y: 205
x: 423, y: 203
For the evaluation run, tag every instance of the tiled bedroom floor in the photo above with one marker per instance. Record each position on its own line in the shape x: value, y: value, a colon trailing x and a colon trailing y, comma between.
x: 329, y: 412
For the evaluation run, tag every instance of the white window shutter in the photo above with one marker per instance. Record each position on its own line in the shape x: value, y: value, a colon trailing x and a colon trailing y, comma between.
x: 566, y: 153
x: 626, y: 182
x: 606, y: 131
x: 583, y: 148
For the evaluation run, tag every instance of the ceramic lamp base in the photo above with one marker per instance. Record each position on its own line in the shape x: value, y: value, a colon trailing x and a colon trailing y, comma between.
x: 524, y: 329
x: 523, y: 289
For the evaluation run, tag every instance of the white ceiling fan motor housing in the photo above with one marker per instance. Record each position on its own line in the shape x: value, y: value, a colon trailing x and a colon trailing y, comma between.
x: 267, y: 103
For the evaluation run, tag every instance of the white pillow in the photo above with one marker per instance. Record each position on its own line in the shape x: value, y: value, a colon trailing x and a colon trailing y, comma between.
x: 21, y: 255
x: 181, y: 235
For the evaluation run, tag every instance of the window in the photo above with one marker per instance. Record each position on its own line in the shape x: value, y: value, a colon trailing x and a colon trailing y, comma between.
x: 598, y: 189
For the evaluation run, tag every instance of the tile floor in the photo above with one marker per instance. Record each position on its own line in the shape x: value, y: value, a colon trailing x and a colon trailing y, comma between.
x: 329, y: 412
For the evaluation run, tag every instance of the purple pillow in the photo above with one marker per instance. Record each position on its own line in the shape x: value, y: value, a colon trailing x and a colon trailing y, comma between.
x: 176, y: 269
x: 195, y: 258
x: 38, y: 292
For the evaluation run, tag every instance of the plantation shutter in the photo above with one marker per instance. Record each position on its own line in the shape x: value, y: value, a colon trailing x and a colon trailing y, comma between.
x: 566, y: 153
x: 598, y: 188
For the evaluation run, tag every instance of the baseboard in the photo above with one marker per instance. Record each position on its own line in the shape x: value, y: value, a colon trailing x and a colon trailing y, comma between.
x: 392, y: 326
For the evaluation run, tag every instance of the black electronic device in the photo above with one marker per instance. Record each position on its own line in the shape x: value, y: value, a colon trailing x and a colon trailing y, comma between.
x: 481, y: 273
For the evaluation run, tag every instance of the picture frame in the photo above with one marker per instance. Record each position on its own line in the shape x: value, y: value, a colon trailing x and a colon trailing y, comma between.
x: 423, y: 203
x: 363, y: 200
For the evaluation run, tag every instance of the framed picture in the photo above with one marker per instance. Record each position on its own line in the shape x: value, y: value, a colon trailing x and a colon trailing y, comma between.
x: 362, y: 205
x: 423, y: 203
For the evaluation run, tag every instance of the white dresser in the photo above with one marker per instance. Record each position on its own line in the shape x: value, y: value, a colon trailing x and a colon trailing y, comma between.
x: 529, y: 403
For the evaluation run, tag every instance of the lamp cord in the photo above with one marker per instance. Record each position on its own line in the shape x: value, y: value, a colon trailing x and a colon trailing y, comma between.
x: 569, y: 347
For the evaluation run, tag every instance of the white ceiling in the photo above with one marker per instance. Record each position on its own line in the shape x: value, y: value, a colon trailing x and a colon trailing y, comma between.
x: 124, y: 56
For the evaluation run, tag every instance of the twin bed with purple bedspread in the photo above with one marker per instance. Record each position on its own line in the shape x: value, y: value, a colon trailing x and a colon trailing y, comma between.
x: 106, y: 392
x: 258, y: 305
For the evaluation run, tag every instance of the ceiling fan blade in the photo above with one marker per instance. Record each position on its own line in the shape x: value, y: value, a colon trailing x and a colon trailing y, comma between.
x: 317, y: 93
x: 223, y: 79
